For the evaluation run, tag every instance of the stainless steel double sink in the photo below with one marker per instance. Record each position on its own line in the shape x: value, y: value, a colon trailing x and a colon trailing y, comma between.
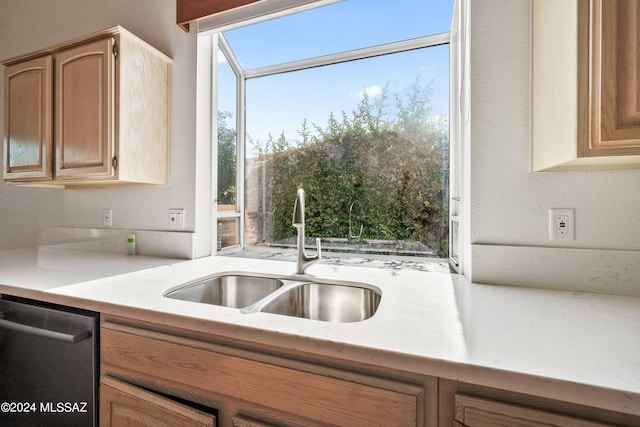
x: 296, y: 296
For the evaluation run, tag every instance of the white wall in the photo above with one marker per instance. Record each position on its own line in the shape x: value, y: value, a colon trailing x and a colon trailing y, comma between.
x: 28, y: 25
x: 509, y: 204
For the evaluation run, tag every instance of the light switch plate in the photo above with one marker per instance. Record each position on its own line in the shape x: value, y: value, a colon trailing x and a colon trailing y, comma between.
x: 107, y: 218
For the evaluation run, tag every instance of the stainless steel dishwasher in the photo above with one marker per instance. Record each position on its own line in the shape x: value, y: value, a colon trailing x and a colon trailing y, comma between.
x: 48, y: 364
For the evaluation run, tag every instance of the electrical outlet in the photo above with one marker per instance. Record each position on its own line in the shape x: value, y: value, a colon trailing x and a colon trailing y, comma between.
x: 176, y: 218
x: 562, y: 224
x: 107, y: 218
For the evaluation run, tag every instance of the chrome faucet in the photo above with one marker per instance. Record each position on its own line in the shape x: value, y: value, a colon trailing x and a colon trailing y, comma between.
x: 303, y: 261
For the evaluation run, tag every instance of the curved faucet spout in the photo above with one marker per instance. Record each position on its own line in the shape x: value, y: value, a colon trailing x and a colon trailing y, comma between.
x: 303, y: 260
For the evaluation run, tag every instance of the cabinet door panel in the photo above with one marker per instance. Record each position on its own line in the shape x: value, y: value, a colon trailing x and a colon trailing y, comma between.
x: 28, y: 126
x: 616, y: 79
x: 585, y: 85
x: 84, y: 116
x: 124, y: 405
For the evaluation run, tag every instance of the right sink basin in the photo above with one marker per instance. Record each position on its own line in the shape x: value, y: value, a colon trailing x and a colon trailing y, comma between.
x: 326, y: 302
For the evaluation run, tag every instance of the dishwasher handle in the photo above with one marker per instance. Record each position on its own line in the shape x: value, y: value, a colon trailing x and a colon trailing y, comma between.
x: 44, y: 333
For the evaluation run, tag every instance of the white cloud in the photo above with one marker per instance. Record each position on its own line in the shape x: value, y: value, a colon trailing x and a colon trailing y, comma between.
x: 371, y: 91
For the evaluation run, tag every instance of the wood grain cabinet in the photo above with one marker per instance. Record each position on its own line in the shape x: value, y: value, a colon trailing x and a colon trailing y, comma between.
x: 585, y: 84
x: 250, y: 389
x: 92, y: 111
x: 255, y: 385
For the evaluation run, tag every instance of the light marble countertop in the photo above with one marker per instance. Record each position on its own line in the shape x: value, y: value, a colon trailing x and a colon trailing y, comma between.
x: 578, y: 347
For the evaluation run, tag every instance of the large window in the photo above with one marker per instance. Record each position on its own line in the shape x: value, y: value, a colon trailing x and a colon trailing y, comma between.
x: 349, y: 101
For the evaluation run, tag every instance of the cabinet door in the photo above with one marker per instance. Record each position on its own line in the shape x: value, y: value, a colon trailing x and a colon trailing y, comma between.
x: 85, y: 88
x: 124, y: 405
x: 28, y: 120
x: 615, y: 104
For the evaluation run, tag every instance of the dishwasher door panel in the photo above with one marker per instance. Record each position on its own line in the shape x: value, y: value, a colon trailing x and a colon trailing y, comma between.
x: 48, y: 365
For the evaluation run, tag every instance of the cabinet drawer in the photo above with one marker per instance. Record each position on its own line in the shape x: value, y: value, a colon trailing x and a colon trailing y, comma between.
x: 245, y: 422
x: 477, y: 412
x: 162, y: 359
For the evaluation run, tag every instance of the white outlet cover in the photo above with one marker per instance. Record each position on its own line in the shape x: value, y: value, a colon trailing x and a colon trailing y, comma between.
x: 562, y: 224
x: 176, y: 218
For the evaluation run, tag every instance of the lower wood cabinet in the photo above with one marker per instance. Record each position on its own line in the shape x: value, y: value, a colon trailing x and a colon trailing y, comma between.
x: 248, y: 389
x: 124, y: 405
x: 253, y: 385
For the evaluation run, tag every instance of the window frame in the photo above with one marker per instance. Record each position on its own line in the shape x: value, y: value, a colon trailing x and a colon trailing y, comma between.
x: 222, y: 45
x: 217, y: 41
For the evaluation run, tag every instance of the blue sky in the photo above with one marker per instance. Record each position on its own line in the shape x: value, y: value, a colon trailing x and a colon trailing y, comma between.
x: 280, y: 103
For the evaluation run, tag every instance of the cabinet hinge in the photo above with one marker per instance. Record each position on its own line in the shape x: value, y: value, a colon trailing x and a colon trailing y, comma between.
x: 115, y: 50
x: 114, y: 162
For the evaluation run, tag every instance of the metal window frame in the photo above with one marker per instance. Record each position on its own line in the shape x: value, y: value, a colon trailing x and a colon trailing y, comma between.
x: 243, y: 75
x: 238, y: 214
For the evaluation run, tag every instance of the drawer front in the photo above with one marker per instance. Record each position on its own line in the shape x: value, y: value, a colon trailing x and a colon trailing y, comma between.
x: 313, y: 396
x: 477, y: 412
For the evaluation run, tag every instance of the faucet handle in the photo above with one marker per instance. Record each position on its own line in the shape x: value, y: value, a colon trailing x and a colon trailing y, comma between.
x: 298, y: 209
x: 319, y: 249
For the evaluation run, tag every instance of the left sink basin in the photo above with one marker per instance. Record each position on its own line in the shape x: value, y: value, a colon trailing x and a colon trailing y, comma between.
x: 232, y: 290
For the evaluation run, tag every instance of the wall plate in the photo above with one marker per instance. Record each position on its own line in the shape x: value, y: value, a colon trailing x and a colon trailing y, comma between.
x: 562, y: 224
x: 107, y: 217
x: 176, y: 218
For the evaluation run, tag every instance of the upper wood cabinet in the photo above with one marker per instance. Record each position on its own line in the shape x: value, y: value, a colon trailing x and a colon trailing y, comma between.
x: 93, y: 111
x: 585, y: 84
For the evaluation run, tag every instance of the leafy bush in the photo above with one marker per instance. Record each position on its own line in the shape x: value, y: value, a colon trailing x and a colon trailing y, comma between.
x: 391, y: 174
